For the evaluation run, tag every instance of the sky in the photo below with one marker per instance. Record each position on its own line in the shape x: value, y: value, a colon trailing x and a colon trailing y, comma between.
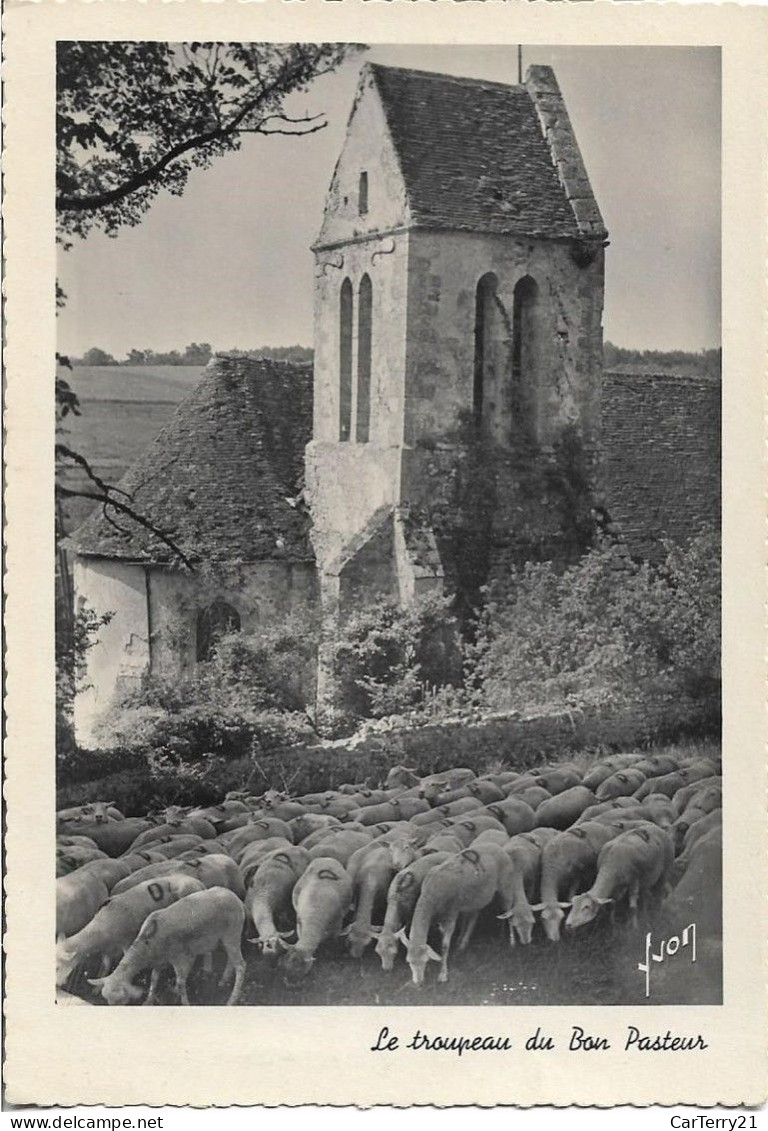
x: 229, y: 262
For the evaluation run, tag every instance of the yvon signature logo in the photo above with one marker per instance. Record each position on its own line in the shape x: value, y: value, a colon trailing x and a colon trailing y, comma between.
x: 668, y: 948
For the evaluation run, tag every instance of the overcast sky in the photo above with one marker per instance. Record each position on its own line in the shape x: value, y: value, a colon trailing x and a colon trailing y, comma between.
x: 229, y: 261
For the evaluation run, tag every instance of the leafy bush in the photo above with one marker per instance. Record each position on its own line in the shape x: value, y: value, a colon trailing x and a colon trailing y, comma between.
x: 74, y: 636
x: 605, y: 632
x: 387, y: 660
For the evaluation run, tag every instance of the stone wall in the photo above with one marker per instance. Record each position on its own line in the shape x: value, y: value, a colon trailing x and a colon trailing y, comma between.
x: 661, y: 441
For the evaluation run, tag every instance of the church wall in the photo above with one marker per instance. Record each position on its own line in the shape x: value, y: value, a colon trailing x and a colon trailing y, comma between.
x: 120, y: 657
x: 163, y: 604
x: 262, y: 593
x: 444, y: 271
x: 346, y: 480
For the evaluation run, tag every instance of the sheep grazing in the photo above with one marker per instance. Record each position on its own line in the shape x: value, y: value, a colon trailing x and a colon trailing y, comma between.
x: 321, y: 898
x: 568, y: 863
x: 118, y: 922
x: 402, y: 895
x: 269, y: 893
x: 371, y: 870
x: 514, y: 813
x: 462, y: 885
x: 560, y: 811
x: 341, y: 847
x: 520, y: 886
x: 78, y: 898
x: 177, y: 935
x: 623, y: 783
x: 632, y: 866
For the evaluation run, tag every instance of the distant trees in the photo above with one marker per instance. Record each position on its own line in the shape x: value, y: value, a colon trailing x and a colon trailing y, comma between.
x: 197, y: 353
x: 704, y: 363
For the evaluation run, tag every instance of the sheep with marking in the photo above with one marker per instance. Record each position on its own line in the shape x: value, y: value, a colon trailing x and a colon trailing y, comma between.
x: 632, y: 866
x: 321, y: 899
x: 192, y: 927
x: 269, y: 893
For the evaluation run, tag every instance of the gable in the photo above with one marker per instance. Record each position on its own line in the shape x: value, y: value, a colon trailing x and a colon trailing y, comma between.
x: 367, y: 148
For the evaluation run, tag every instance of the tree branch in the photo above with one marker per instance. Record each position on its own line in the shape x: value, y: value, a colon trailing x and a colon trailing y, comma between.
x: 76, y: 493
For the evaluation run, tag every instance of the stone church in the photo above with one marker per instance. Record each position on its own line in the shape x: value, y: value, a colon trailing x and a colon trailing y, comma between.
x: 459, y: 277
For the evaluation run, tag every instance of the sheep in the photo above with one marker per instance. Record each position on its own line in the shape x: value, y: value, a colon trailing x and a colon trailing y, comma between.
x: 78, y: 898
x: 462, y: 885
x: 269, y: 893
x: 98, y: 811
x: 340, y: 847
x: 170, y: 846
x: 519, y: 886
x: 611, y: 806
x: 568, y: 863
x: 515, y: 815
x: 686, y: 792
x: 308, y: 823
x: 658, y: 812
x: 621, y: 784
x: 402, y: 895
x: 485, y: 791
x: 633, y: 864
x: 371, y: 870
x: 487, y: 836
x: 448, y: 779
x: 558, y: 779
x: 172, y: 828
x: 401, y: 776
x: 111, y: 871
x: 658, y: 764
x: 260, y: 829
x: 178, y: 934
x: 321, y: 898
x: 560, y: 811
x: 112, y: 837
x: 668, y: 784
x: 74, y: 856
x: 699, y: 829
x: 597, y: 774
x: 253, y: 854
x: 533, y: 796
x: 116, y: 924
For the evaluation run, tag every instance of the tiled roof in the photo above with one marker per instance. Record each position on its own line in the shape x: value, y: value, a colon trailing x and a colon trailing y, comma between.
x: 473, y: 154
x: 218, y: 478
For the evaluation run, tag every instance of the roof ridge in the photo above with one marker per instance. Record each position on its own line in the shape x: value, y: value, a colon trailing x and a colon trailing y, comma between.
x: 465, y: 79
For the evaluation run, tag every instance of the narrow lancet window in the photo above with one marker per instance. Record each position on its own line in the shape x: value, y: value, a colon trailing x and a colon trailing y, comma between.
x: 364, y: 312
x: 345, y: 360
x: 484, y: 318
x: 362, y: 194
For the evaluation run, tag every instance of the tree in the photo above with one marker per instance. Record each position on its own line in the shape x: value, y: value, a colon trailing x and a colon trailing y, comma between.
x: 95, y: 356
x: 134, y: 118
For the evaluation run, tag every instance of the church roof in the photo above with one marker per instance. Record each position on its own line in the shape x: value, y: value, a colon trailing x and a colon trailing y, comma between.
x: 474, y: 155
x: 223, y: 478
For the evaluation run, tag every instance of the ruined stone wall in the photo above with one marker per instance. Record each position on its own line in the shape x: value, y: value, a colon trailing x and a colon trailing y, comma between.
x: 444, y: 270
x: 661, y: 456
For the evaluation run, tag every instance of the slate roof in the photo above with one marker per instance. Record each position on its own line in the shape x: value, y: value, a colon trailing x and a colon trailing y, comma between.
x: 218, y: 476
x: 473, y: 154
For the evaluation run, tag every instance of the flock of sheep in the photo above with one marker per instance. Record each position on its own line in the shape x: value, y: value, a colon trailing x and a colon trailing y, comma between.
x: 397, y: 866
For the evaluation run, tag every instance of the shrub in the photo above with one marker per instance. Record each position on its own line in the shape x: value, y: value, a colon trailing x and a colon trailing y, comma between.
x: 605, y: 632
x: 387, y: 660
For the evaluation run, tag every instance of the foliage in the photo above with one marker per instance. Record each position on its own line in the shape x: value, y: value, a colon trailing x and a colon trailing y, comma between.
x: 251, y: 696
x: 607, y: 631
x: 136, y: 117
x: 74, y: 637
x: 707, y: 363
x: 387, y: 660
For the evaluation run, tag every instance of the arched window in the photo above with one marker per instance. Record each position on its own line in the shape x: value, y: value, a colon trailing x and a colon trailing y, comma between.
x: 524, y: 347
x: 363, y: 421
x: 213, y: 622
x: 345, y: 360
x: 485, y: 313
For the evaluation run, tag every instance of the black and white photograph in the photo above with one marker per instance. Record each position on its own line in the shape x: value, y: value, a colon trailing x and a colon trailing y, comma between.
x: 388, y: 525
x: 384, y: 582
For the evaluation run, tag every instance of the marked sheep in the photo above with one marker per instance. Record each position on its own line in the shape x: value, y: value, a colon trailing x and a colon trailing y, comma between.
x: 632, y: 866
x: 402, y: 894
x: 116, y: 924
x: 321, y: 899
x: 177, y: 935
x: 269, y: 893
